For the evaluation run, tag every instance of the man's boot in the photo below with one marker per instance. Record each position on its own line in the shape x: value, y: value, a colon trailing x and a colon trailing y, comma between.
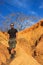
x: 9, y: 50
x: 13, y: 55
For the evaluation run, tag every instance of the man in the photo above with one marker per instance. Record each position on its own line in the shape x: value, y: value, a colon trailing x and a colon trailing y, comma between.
x: 12, y: 40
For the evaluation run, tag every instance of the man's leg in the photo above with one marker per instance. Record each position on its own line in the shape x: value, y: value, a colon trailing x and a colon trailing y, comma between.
x: 13, y: 52
x: 9, y: 48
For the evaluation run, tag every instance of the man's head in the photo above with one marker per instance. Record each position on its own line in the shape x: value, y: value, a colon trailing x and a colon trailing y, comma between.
x: 12, y: 25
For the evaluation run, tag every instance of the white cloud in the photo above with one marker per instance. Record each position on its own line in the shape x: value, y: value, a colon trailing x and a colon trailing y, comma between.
x: 41, y: 5
x: 20, y: 3
x: 33, y: 12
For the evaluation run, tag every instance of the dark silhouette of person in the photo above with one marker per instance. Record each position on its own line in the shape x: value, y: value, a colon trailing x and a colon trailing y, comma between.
x: 12, y: 40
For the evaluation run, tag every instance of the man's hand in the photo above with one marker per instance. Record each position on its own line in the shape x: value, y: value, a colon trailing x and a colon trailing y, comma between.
x: 8, y: 36
x: 16, y: 34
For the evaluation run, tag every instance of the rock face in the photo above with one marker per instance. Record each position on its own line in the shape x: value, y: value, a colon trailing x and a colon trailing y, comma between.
x: 4, y: 54
x: 39, y: 51
x: 29, y: 40
x: 29, y: 49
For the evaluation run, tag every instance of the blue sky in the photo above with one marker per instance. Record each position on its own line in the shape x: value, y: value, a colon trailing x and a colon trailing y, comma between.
x: 27, y: 7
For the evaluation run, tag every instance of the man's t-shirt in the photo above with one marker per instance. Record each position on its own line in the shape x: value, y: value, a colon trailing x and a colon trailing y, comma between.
x: 12, y: 33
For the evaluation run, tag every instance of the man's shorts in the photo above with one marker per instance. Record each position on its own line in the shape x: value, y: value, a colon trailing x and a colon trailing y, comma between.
x: 12, y: 43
